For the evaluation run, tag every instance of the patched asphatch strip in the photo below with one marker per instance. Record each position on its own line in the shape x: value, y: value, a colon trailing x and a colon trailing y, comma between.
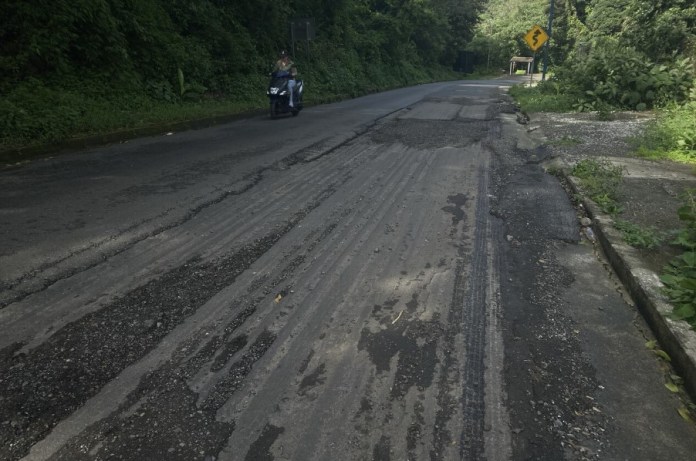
x: 474, y: 330
x: 467, y: 317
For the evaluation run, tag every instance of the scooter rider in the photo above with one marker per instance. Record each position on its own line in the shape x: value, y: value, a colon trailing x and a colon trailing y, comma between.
x: 285, y: 67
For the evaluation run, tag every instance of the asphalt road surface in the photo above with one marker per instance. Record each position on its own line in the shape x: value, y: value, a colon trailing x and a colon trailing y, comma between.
x: 387, y: 278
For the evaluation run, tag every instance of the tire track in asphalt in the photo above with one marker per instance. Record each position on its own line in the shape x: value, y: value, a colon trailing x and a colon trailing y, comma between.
x: 474, y: 328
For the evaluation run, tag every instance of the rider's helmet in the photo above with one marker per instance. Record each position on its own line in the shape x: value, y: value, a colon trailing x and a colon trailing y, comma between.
x: 283, y: 54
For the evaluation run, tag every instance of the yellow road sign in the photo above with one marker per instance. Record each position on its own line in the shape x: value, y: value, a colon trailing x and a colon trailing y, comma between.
x: 536, y: 37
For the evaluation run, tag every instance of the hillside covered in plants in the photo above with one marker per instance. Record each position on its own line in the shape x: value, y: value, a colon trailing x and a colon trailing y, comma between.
x: 82, y: 66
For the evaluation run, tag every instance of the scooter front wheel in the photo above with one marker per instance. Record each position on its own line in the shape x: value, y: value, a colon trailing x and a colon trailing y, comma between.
x: 274, y: 109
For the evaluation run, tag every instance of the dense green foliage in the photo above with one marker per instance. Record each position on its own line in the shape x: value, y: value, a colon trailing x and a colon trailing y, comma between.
x: 607, y: 55
x: 672, y: 134
x: 500, y: 33
x: 624, y: 54
x: 680, y: 276
x: 70, y: 67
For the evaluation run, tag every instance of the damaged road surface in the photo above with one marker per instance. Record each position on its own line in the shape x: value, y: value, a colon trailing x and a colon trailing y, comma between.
x: 392, y: 277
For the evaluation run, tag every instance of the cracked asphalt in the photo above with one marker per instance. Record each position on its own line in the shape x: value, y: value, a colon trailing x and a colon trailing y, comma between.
x: 390, y: 277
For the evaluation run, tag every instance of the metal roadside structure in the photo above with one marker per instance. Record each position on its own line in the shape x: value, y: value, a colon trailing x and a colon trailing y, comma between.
x: 515, y: 60
x: 302, y: 29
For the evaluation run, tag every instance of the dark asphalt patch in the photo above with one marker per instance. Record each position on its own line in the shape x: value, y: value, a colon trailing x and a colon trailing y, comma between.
x: 548, y: 377
x: 416, y: 363
x: 315, y: 378
x: 456, y: 209
x: 229, y: 350
x: 415, y: 430
x: 381, y: 452
x: 418, y: 133
x: 260, y: 450
x: 534, y: 206
x: 176, y: 426
x: 224, y: 389
x: 44, y: 385
x: 165, y: 425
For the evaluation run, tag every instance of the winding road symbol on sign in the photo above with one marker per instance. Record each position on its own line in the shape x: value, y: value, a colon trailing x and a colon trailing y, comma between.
x: 536, y: 37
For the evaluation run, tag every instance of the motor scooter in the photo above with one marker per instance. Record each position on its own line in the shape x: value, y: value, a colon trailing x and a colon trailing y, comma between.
x: 279, y: 94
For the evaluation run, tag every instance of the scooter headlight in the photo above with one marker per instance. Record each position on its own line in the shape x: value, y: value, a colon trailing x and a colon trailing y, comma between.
x: 273, y: 90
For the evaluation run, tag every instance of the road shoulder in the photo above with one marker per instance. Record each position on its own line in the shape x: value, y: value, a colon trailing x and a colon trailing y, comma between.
x: 650, y: 195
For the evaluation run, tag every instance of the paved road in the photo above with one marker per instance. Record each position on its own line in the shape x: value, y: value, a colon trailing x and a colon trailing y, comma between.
x: 392, y: 277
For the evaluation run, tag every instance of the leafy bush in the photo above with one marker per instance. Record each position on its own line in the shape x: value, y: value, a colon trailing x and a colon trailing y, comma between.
x: 600, y: 180
x: 680, y: 276
x: 610, y: 73
x: 672, y: 134
x: 638, y: 237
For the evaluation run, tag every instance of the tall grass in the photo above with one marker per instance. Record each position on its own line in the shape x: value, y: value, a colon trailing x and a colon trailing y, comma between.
x: 672, y: 135
x: 545, y: 97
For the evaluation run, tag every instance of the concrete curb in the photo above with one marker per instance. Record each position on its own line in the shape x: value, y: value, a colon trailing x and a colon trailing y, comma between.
x: 645, y: 288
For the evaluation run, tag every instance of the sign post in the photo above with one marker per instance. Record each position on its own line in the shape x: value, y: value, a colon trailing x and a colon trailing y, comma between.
x: 546, y: 48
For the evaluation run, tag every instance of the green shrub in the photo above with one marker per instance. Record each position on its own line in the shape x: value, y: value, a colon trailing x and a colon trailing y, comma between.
x: 638, y: 237
x: 680, y: 276
x: 611, y: 73
x: 672, y: 135
x: 544, y: 97
x: 600, y: 180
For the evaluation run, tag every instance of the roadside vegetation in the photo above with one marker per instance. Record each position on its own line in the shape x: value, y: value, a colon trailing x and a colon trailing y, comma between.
x: 680, y: 276
x: 637, y: 236
x: 607, y: 56
x: 600, y: 180
x: 672, y: 135
x: 549, y: 97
